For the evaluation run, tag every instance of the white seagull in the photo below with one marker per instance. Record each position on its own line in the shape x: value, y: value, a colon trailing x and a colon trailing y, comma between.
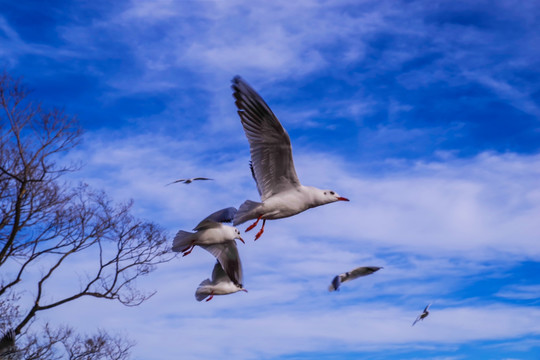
x: 188, y: 181
x: 350, y: 275
x: 423, y: 315
x: 220, y: 284
x: 272, y: 164
x: 216, y: 238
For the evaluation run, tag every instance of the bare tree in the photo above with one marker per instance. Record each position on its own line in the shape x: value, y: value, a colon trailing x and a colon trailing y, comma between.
x: 47, y: 221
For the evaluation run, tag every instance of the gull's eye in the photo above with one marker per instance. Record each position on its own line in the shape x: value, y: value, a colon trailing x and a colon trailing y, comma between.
x: 332, y: 193
x: 325, y: 193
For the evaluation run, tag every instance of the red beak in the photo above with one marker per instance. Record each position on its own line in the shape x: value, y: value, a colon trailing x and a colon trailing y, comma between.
x: 343, y: 199
x: 244, y: 290
x: 242, y: 240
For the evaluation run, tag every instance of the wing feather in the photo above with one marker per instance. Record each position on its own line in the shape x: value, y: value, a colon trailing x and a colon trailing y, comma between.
x: 213, y: 220
x: 218, y: 274
x: 228, y: 258
x: 358, y: 272
x: 270, y: 145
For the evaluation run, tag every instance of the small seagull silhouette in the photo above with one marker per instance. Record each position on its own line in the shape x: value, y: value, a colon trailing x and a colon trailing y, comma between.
x: 423, y: 315
x: 350, y: 275
x: 188, y: 181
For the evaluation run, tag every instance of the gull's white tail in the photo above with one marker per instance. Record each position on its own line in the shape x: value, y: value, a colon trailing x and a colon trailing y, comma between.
x: 203, y: 290
x: 247, y: 211
x: 182, y: 240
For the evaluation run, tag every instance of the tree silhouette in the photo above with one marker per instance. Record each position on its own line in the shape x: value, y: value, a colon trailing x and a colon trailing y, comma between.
x: 48, y: 224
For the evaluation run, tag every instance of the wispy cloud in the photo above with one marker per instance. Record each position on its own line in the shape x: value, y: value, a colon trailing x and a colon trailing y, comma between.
x: 435, y: 227
x: 422, y: 113
x: 521, y: 292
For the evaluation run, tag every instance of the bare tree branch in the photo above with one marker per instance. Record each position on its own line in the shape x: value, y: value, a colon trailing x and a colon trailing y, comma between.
x: 51, y: 222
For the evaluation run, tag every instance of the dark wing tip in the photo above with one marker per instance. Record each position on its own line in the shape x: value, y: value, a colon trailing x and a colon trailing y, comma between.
x: 236, y: 82
x: 228, y: 215
x: 175, y: 181
x: 236, y: 79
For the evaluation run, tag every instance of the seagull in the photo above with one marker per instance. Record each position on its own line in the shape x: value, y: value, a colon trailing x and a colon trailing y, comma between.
x: 216, y: 238
x: 220, y: 284
x: 423, y: 315
x: 188, y: 181
x: 351, y: 275
x: 272, y: 164
x: 7, y: 342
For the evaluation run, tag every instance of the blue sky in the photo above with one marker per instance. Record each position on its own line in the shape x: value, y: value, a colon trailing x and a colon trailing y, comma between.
x: 424, y: 113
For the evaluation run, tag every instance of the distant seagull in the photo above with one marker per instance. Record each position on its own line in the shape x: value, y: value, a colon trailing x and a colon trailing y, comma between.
x: 7, y: 343
x: 351, y: 275
x: 188, y: 181
x: 423, y: 315
x: 216, y: 238
x: 272, y: 164
x: 220, y: 284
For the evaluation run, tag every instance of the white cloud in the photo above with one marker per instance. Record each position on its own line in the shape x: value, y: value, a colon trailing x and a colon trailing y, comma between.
x: 432, y: 225
x: 521, y: 292
x: 484, y: 206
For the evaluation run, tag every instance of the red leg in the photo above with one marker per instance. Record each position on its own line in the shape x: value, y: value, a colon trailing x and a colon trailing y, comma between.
x: 188, y: 252
x: 211, y: 296
x: 260, y: 231
x: 189, y: 246
x: 254, y: 224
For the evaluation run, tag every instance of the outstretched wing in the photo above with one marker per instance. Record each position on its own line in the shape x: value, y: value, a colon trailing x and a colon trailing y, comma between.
x: 218, y: 274
x: 358, y: 272
x: 223, y: 215
x: 227, y: 255
x: 270, y: 145
x: 176, y: 181
x: 214, y: 219
x: 206, y: 224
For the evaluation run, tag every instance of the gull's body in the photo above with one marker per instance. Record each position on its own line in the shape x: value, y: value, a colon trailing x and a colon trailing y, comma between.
x: 423, y: 315
x: 350, y: 275
x: 272, y: 164
x: 216, y: 238
x: 220, y: 284
x: 189, y: 181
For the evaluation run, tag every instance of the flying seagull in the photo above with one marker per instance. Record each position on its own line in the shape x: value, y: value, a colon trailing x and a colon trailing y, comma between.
x: 188, y: 181
x: 272, y: 164
x: 423, y: 315
x: 220, y: 284
x: 7, y: 343
x: 216, y: 238
x: 351, y: 275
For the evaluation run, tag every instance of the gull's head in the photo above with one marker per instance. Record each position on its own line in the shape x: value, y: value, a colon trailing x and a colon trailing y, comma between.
x: 240, y: 287
x: 332, y: 196
x: 233, y: 233
x: 237, y: 235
